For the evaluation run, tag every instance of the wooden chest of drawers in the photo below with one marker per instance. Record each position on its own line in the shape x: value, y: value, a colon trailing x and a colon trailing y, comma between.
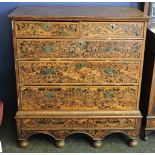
x: 78, y: 70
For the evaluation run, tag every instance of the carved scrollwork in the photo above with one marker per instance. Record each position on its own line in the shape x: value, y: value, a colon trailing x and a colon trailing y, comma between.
x: 94, y: 134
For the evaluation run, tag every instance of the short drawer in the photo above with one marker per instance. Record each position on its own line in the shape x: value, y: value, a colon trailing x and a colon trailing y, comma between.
x: 76, y: 98
x: 33, y: 29
x: 78, y: 72
x: 62, y: 48
x: 77, y: 123
x: 112, y: 30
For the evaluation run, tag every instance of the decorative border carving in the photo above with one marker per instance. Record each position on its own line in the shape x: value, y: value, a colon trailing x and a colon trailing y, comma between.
x: 94, y: 134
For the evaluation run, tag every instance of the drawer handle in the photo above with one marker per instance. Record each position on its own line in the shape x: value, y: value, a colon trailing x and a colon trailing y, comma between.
x: 46, y: 26
x: 49, y: 95
x: 112, y: 27
x: 48, y: 70
x: 110, y: 49
x: 109, y: 70
x: 48, y: 48
x: 41, y: 122
x: 79, y: 65
x: 81, y: 44
x: 80, y: 90
x: 109, y: 94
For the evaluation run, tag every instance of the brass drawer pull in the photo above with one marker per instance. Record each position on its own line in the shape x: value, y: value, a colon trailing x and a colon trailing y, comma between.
x: 110, y: 49
x: 81, y: 44
x: 109, y: 70
x: 49, y: 95
x: 41, y: 122
x: 109, y: 94
x: 112, y: 27
x: 79, y: 65
x: 46, y: 26
x: 48, y: 70
x: 80, y: 90
x: 48, y: 48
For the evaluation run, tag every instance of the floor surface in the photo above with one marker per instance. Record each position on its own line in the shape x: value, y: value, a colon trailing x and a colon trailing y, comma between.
x: 78, y: 143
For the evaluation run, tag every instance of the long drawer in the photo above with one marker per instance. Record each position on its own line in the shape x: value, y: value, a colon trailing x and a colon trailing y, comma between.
x: 112, y: 30
x: 84, y: 98
x: 66, y: 48
x: 34, y: 29
x: 77, y: 123
x: 78, y: 72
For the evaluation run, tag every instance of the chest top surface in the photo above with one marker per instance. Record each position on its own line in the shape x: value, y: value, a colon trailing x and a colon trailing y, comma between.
x: 75, y: 13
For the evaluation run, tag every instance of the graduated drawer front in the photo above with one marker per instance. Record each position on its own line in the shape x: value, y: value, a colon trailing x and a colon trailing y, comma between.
x: 61, y: 98
x: 112, y: 30
x: 33, y: 29
x: 62, y: 48
x: 77, y: 123
x: 78, y: 72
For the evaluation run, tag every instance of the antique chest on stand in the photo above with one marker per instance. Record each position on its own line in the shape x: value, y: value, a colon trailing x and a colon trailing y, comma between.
x: 78, y: 70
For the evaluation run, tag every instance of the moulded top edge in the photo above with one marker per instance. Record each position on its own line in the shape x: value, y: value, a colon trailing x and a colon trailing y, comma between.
x: 76, y: 13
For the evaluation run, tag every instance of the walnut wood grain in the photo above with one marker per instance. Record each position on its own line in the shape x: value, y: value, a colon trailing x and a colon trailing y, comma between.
x: 76, y: 13
x: 78, y: 114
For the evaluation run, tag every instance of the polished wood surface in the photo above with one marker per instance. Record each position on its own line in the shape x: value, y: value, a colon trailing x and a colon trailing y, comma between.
x: 78, y: 72
x: 75, y: 13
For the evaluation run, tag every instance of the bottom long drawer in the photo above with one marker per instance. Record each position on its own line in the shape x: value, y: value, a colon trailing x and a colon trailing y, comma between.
x: 77, y: 123
x: 70, y: 98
